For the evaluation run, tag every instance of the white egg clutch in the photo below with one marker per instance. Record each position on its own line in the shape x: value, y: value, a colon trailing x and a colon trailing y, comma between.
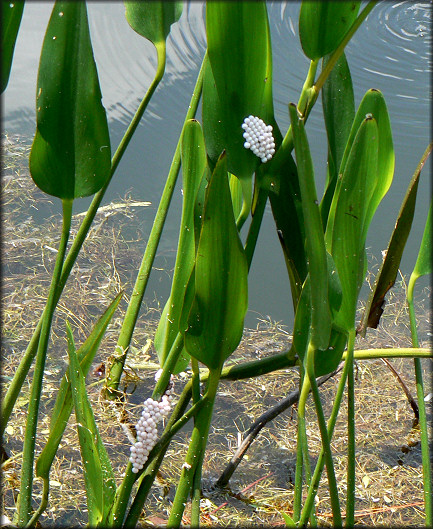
x: 147, y: 428
x: 258, y: 138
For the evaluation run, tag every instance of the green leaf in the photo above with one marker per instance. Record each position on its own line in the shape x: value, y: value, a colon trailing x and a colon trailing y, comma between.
x: 215, y: 321
x: 98, y: 474
x: 63, y: 405
x: 314, y: 238
x: 236, y: 193
x: 12, y: 13
x: 373, y: 104
x: 239, y: 82
x: 327, y: 359
x: 349, y: 221
x: 387, y: 274
x: 339, y: 112
x: 285, y: 199
x: 322, y: 25
x: 193, y: 155
x: 152, y: 20
x: 71, y: 155
x: 288, y: 520
x: 423, y: 265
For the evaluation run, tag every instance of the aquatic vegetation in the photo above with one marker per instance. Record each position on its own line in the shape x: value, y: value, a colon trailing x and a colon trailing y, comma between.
x: 228, y: 176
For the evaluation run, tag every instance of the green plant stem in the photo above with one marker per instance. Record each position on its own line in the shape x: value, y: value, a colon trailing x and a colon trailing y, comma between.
x: 168, y: 368
x: 372, y: 354
x: 132, y: 312
x: 196, y: 491
x: 351, y: 447
x: 305, y: 96
x: 195, y: 380
x: 309, y: 502
x: 178, y: 418
x: 256, y: 222
x: 326, y: 443
x: 196, y: 447
x: 289, y: 359
x: 149, y: 473
x: 24, y: 366
x: 26, y: 485
x: 302, y: 446
x: 177, y: 421
x: 425, y: 450
x: 43, y: 504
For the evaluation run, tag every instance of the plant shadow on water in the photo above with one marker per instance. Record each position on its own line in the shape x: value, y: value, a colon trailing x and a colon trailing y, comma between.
x: 389, y: 485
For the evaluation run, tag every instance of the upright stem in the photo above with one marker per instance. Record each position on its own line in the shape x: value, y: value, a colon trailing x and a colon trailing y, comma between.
x: 351, y: 447
x: 132, y: 312
x: 326, y: 443
x: 301, y: 442
x: 26, y: 486
x: 194, y: 454
x: 24, y: 366
x: 425, y: 451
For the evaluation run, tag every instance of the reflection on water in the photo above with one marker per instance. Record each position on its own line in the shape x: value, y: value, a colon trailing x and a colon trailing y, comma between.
x: 391, y: 52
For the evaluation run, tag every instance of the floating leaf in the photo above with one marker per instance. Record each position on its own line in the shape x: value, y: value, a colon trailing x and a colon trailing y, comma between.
x: 323, y: 25
x: 215, y: 321
x: 70, y: 155
x: 12, y: 13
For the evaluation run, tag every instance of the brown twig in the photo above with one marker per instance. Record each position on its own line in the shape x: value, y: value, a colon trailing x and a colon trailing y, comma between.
x: 411, y: 400
x: 253, y: 431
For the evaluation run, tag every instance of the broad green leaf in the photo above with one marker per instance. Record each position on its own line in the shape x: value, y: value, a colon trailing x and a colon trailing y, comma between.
x: 325, y: 360
x: 239, y: 52
x: 423, y: 265
x: 288, y: 520
x: 285, y: 199
x: 71, y: 155
x: 12, y: 13
x: 193, y: 156
x: 350, y: 217
x: 322, y: 25
x: 388, y: 271
x: 314, y: 237
x: 339, y: 112
x: 236, y: 193
x: 152, y: 20
x: 63, y: 405
x: 215, y: 321
x: 373, y: 104
x: 98, y: 474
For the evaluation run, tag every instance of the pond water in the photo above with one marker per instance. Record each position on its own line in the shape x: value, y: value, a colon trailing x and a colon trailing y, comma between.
x: 390, y: 52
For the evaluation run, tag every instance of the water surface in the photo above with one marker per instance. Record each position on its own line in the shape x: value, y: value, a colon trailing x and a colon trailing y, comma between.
x: 391, y: 52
